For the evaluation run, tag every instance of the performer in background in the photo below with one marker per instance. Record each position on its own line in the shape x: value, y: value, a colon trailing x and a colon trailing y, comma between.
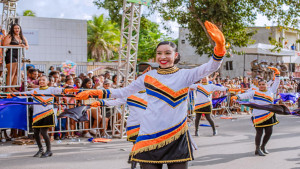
x: 43, y: 114
x: 203, y: 102
x: 263, y: 120
x: 137, y: 105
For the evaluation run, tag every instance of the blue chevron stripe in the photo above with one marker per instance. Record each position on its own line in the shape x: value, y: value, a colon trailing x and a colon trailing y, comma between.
x: 165, y: 99
x: 136, y: 105
x: 262, y: 99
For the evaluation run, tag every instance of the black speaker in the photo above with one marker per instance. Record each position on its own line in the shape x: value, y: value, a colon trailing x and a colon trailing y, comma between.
x: 292, y: 67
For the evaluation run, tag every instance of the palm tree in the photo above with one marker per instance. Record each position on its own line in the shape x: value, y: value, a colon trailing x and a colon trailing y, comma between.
x: 103, y: 38
x: 28, y: 13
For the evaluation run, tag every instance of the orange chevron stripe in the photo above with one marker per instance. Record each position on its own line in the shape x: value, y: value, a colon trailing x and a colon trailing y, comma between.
x: 42, y: 115
x: 262, y: 119
x: 158, y: 140
x: 137, y: 99
x: 132, y: 132
x: 158, y: 84
x: 201, y: 88
x: 202, y: 105
x: 41, y: 99
x: 263, y: 95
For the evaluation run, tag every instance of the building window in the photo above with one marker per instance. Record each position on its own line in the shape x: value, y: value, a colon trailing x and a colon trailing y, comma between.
x: 182, y: 41
x: 228, y: 65
x: 292, y: 67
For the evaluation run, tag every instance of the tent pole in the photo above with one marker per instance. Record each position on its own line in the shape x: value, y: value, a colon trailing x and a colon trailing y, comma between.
x: 244, y: 64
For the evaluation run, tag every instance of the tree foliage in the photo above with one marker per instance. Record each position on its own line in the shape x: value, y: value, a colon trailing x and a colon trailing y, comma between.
x: 28, y: 13
x: 114, y: 8
x: 233, y: 17
x: 103, y: 38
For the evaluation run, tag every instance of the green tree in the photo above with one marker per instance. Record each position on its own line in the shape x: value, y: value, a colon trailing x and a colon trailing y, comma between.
x: 114, y: 8
x: 103, y: 38
x: 150, y: 36
x: 28, y: 13
x: 233, y: 17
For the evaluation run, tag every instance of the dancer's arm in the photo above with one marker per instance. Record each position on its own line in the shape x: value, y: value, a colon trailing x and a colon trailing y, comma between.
x: 214, y: 63
x: 248, y: 95
x: 219, y: 88
x: 134, y: 87
x: 276, y: 83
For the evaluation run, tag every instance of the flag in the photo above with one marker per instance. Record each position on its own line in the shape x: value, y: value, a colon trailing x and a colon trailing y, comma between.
x: 13, y: 113
x: 78, y: 114
x: 217, y: 101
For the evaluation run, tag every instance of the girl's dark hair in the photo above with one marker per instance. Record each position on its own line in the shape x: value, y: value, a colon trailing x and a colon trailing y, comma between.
x: 262, y: 80
x: 174, y: 46
x: 12, y: 33
x: 85, y: 81
x: 113, y: 78
x: 50, y: 77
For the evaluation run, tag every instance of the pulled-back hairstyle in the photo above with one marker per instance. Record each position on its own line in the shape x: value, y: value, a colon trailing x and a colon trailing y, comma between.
x: 174, y: 46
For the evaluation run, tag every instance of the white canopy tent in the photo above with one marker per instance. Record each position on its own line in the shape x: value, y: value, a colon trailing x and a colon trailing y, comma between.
x: 264, y: 50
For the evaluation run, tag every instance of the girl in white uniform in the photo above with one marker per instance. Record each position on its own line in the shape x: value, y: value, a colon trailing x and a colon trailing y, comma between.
x: 163, y: 137
x: 203, y: 102
x: 262, y: 120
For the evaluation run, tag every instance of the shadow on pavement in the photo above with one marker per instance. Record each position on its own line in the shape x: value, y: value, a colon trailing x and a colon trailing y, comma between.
x: 225, y: 158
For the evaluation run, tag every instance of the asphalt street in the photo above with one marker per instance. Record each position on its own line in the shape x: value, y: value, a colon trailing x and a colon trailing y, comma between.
x: 232, y: 148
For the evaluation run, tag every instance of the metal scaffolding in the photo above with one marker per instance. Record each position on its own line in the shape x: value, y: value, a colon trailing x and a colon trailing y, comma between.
x: 127, y: 56
x: 8, y: 13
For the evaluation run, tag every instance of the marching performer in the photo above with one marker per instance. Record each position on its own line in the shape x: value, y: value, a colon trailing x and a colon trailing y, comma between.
x: 263, y: 120
x: 163, y: 137
x: 203, y: 102
x: 137, y: 105
x: 43, y: 114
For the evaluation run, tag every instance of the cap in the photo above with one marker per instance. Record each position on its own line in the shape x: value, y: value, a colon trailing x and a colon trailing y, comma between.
x: 90, y: 72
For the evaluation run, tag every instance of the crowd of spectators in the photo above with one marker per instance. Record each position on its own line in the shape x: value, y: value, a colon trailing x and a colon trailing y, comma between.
x: 88, y: 81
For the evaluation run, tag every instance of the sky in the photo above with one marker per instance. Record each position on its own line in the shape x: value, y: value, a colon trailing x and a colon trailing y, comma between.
x: 85, y: 9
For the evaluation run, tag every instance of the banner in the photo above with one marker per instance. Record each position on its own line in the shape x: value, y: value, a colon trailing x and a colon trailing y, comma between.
x: 32, y: 36
x: 143, y: 2
x: 13, y: 115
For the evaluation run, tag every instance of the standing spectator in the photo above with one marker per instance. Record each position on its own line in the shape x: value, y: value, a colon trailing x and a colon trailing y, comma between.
x: 245, y: 85
x: 90, y: 74
x: 78, y: 83
x: 51, y: 81
x: 41, y: 73
x: 298, y: 91
x: 115, y: 82
x: 94, y: 112
x: 14, y: 38
x: 73, y: 75
x: 2, y: 35
x: 51, y: 69
x: 107, y: 75
x: 56, y: 76
x: 32, y: 78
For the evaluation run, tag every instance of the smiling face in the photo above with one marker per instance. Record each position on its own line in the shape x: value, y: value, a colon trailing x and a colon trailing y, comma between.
x: 165, y: 56
x: 43, y: 82
x: 262, y: 85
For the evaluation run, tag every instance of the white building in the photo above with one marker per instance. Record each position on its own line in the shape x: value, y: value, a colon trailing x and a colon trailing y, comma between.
x: 53, y: 41
x: 234, y: 66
